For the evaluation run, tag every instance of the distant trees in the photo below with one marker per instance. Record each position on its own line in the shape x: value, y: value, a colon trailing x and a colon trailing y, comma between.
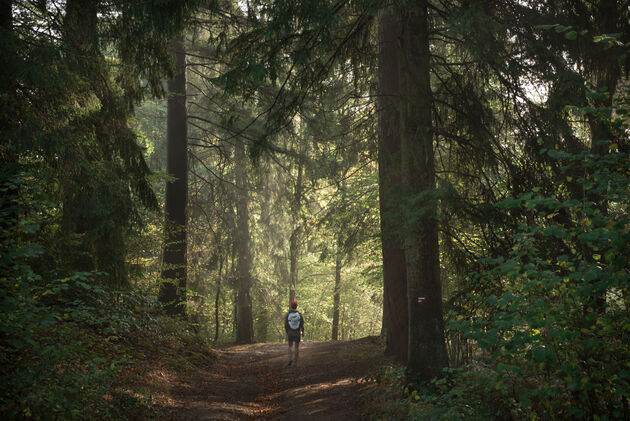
x: 329, y: 56
x: 231, y: 123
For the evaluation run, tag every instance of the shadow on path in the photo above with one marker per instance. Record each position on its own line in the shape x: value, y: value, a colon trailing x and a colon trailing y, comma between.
x: 253, y: 382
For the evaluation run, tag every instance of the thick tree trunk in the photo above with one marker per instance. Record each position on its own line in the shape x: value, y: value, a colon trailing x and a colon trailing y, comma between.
x: 394, y: 270
x: 172, y: 290
x: 8, y: 155
x: 84, y: 60
x: 244, y: 314
x: 337, y: 294
x: 296, y: 235
x: 79, y: 23
x: 426, y: 349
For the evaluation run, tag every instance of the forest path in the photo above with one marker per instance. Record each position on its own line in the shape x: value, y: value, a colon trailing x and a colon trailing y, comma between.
x: 253, y: 382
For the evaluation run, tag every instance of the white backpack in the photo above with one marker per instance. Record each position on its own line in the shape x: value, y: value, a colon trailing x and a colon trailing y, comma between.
x: 294, y: 319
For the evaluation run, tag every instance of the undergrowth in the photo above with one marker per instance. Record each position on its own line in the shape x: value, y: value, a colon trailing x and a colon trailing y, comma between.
x: 551, y: 319
x: 74, y: 351
x: 72, y: 346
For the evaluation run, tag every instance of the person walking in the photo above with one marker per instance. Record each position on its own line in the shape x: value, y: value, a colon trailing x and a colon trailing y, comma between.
x: 293, y: 325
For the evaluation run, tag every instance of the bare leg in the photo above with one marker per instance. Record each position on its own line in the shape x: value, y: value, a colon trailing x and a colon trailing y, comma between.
x: 297, y: 351
x: 291, y: 351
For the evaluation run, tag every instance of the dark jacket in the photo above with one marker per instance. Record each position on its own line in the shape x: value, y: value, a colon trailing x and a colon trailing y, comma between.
x: 287, y: 328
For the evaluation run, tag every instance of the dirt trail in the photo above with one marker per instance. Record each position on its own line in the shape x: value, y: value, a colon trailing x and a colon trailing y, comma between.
x: 253, y: 382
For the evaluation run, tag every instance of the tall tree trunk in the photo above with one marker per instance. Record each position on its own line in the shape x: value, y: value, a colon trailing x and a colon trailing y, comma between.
x: 6, y: 15
x: 394, y: 270
x: 234, y: 279
x: 173, y: 288
x: 8, y: 155
x: 606, y: 75
x: 296, y: 235
x: 79, y: 23
x: 217, y: 299
x: 426, y: 349
x: 85, y: 61
x: 337, y: 294
x: 244, y: 314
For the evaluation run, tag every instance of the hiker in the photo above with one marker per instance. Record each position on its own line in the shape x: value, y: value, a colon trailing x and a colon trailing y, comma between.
x: 293, y: 325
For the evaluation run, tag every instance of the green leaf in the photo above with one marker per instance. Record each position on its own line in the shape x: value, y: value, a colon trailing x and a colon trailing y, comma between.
x: 571, y: 35
x: 30, y: 250
x: 545, y: 27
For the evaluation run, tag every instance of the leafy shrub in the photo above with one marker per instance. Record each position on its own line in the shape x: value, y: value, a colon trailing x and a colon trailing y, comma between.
x: 56, y: 360
x: 556, y: 337
x: 555, y: 341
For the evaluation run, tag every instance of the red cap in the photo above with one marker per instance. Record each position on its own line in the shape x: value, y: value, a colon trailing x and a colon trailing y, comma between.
x: 293, y: 304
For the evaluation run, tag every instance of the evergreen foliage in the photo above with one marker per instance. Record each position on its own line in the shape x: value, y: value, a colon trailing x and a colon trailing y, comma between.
x: 518, y: 110
x: 74, y: 188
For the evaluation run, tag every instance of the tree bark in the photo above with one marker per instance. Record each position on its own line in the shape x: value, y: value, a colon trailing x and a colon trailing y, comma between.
x: 337, y: 294
x: 426, y: 348
x: 8, y: 155
x: 217, y: 300
x: 79, y: 23
x: 82, y: 57
x: 394, y: 270
x: 244, y: 314
x: 6, y: 15
x: 296, y: 235
x: 174, y: 273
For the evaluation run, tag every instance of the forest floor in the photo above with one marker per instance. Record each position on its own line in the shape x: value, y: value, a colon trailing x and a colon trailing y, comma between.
x: 253, y: 382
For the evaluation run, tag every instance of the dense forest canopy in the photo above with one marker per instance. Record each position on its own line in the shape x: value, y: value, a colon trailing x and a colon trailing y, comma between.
x: 450, y: 175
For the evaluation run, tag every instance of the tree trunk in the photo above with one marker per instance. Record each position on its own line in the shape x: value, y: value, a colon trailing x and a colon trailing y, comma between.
x: 79, y: 23
x: 217, y: 300
x: 8, y: 155
x: 173, y: 288
x: 426, y: 349
x: 394, y: 271
x: 293, y: 262
x: 6, y: 15
x: 296, y: 235
x: 81, y: 49
x: 337, y: 295
x: 244, y: 314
